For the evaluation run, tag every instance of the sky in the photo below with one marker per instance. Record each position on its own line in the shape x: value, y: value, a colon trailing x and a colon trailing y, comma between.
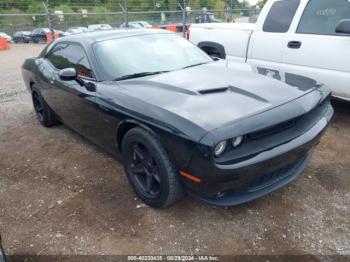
x: 252, y: 2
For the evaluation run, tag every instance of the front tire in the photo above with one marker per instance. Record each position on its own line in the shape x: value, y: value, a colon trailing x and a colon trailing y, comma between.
x: 149, y: 169
x: 43, y: 112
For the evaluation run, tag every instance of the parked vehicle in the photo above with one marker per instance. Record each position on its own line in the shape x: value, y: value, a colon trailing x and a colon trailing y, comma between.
x: 22, y: 37
x: 308, y: 37
x: 179, y: 119
x: 6, y: 36
x: 137, y: 24
x: 76, y: 30
x: 131, y: 25
x: 144, y: 24
x: 99, y: 27
x: 40, y: 35
x: 205, y: 17
x: 60, y: 33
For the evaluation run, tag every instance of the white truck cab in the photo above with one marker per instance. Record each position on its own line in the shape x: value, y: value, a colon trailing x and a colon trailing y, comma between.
x: 302, y: 37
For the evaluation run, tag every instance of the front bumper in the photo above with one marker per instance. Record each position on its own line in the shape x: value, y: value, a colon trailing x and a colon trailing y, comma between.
x: 246, y: 180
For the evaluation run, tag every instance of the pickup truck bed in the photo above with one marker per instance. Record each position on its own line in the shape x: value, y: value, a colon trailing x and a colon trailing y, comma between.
x: 237, y: 37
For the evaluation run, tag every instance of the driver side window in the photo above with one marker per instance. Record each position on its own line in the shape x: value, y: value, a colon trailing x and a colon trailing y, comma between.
x: 65, y: 55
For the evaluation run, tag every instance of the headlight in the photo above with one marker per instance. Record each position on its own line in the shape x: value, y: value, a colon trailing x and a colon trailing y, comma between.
x: 220, y: 148
x: 236, y: 141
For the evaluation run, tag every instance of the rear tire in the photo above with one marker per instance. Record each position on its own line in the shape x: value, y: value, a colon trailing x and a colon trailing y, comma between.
x: 149, y: 169
x: 44, y: 113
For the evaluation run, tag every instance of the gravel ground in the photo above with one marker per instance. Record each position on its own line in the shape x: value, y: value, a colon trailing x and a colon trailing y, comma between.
x: 61, y: 195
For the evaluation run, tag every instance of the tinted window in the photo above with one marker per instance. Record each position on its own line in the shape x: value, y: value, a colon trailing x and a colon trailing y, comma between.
x: 321, y: 16
x: 54, y: 56
x: 147, y: 53
x: 65, y: 55
x: 280, y: 16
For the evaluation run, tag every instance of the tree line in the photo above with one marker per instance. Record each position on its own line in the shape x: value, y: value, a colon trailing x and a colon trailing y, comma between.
x: 67, y: 6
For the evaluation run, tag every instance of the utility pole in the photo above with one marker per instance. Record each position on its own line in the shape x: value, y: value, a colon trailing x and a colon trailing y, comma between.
x: 184, y: 16
x: 124, y: 7
x: 231, y: 10
x: 49, y: 17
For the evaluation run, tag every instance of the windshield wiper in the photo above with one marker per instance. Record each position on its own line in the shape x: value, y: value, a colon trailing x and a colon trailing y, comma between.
x: 195, y: 65
x: 136, y: 75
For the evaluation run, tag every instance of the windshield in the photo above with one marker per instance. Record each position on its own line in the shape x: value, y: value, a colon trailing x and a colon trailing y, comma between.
x: 147, y: 53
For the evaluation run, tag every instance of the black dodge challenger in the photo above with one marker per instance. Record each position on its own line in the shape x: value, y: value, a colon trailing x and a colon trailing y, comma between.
x: 179, y: 121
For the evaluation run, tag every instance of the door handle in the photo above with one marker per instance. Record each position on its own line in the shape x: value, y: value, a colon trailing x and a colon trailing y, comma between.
x: 294, y: 44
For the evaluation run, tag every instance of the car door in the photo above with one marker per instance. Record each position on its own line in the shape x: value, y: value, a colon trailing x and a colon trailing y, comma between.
x: 73, y: 103
x: 35, y: 33
x: 315, y: 50
x: 268, y: 41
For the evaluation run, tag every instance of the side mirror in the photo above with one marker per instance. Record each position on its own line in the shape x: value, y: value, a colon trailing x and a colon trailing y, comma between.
x: 343, y: 27
x: 68, y: 74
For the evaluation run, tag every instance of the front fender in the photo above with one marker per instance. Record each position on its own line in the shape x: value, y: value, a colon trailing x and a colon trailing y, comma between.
x: 179, y: 149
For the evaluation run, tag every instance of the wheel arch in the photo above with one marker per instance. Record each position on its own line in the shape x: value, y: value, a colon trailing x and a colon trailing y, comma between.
x: 213, y: 48
x: 178, y: 150
x: 125, y: 126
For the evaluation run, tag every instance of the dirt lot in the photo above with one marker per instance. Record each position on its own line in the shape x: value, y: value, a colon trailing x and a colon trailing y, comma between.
x: 59, y: 194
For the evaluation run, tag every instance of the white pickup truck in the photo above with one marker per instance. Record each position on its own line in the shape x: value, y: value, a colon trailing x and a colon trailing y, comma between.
x: 303, y: 37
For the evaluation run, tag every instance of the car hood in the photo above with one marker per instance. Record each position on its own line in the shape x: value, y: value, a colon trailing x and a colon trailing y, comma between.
x: 213, y: 95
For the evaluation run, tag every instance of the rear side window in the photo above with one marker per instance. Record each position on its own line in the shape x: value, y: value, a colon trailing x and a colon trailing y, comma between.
x: 65, y: 55
x: 281, y: 16
x: 322, y: 16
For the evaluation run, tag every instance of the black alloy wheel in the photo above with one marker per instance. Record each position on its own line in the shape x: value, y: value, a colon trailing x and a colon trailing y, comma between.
x: 38, y: 106
x: 149, y: 169
x: 145, y: 171
x: 44, y: 113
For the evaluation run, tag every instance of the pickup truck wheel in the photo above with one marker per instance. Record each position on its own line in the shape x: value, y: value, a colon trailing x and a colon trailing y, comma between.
x: 43, y: 112
x: 149, y: 169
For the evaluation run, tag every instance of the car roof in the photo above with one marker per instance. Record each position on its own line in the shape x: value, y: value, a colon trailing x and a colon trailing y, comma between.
x: 89, y: 38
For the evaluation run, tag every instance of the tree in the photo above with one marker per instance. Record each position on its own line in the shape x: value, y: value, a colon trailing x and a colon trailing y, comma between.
x: 261, y: 3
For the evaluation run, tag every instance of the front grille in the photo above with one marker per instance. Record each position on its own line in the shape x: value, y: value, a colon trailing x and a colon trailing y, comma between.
x: 273, y: 136
x: 287, y: 124
x: 273, y: 130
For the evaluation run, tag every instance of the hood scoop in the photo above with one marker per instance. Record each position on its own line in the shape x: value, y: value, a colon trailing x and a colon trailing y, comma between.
x: 232, y: 89
x: 213, y: 91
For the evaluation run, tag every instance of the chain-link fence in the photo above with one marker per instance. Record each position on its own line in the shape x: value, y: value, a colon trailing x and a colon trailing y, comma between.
x: 26, y: 15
